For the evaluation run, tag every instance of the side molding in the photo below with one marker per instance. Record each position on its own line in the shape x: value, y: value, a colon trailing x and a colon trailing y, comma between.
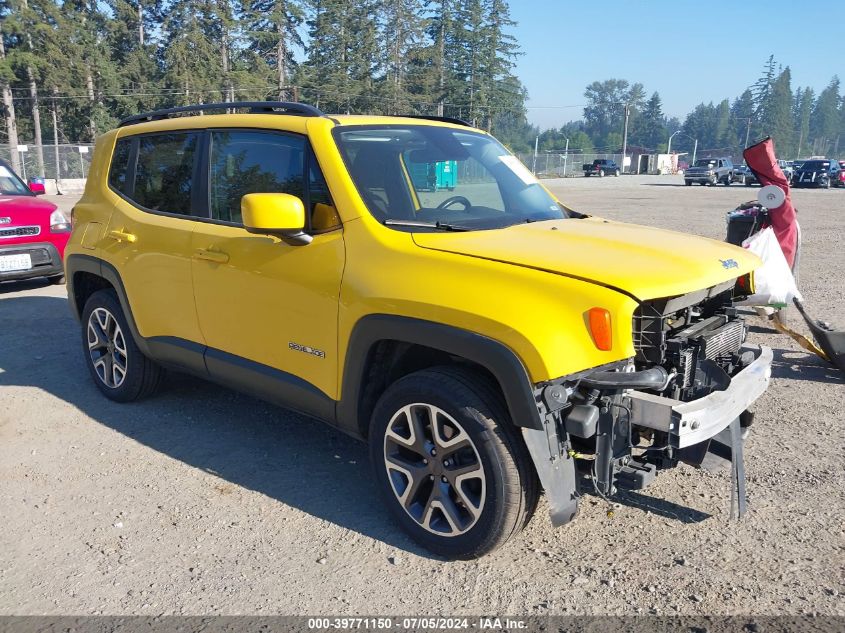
x: 505, y: 366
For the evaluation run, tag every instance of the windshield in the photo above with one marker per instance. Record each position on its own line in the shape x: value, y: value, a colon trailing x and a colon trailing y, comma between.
x: 814, y: 165
x: 441, y: 176
x: 11, y: 185
x: 706, y: 162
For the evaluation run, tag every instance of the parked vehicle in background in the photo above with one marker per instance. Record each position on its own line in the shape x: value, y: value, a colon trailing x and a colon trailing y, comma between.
x: 824, y: 173
x: 842, y: 173
x: 485, y: 341
x: 741, y: 173
x: 710, y: 171
x: 33, y: 232
x: 787, y: 168
x: 602, y: 167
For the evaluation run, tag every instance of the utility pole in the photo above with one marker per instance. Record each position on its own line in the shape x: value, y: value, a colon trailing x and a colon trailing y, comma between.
x: 694, y: 150
x: 625, y: 136
x: 565, y: 157
x: 58, y: 174
x: 534, y: 164
x: 747, y: 130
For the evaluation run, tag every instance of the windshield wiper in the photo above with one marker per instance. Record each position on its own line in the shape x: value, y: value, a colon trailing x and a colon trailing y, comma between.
x: 440, y: 226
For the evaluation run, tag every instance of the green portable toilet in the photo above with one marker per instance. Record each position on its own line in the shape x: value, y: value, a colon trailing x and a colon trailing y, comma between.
x: 447, y: 174
x: 422, y: 175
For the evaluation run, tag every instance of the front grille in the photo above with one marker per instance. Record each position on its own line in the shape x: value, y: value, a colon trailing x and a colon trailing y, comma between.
x: 20, y: 231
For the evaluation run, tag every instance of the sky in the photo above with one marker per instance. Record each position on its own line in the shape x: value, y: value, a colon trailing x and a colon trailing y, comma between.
x: 688, y: 51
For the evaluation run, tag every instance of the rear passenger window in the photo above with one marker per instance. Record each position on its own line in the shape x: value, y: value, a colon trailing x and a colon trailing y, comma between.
x: 245, y: 162
x: 120, y: 165
x: 164, y: 175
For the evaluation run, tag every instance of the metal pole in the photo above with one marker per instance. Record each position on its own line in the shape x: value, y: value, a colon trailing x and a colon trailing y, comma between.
x: 747, y: 131
x: 23, y: 164
x: 58, y: 174
x: 694, y: 150
x: 534, y: 164
x: 669, y: 146
x: 82, y: 165
x: 625, y: 136
x: 565, y: 157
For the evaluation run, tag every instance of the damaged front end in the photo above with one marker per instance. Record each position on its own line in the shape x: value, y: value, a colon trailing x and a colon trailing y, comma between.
x: 685, y: 394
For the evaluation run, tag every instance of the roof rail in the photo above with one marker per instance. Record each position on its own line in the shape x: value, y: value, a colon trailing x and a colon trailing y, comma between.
x: 254, y: 107
x: 442, y: 119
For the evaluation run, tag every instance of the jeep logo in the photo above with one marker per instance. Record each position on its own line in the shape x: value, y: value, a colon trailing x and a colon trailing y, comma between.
x: 5, y: 220
x: 729, y: 263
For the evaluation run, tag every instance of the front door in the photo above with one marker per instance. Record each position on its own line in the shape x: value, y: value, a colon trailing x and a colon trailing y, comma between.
x: 268, y: 309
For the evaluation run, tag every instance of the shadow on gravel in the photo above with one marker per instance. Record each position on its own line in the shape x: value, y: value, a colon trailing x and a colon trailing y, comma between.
x: 293, y: 459
x: 660, y: 507
x: 803, y: 366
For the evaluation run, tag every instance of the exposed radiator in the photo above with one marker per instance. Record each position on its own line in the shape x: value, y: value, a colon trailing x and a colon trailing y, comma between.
x: 723, y: 341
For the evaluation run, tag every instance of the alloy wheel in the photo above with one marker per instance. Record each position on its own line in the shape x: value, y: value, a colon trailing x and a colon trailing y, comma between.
x: 434, y: 469
x: 107, y: 348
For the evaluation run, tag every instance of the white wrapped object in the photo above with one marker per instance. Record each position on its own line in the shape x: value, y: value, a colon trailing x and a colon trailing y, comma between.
x: 773, y: 282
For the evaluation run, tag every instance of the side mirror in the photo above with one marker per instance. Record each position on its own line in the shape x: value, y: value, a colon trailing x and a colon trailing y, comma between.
x: 37, y: 187
x: 279, y: 214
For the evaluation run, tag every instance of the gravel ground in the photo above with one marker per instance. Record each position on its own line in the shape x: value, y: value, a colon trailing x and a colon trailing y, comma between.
x: 204, y: 501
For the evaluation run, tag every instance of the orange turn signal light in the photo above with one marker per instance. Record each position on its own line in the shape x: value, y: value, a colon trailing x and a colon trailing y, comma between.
x: 600, y: 328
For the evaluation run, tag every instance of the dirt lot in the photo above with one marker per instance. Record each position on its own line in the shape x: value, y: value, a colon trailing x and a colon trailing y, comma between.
x: 203, y: 501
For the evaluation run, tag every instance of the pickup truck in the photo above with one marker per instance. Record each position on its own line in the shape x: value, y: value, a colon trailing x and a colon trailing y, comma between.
x: 710, y: 171
x: 601, y: 167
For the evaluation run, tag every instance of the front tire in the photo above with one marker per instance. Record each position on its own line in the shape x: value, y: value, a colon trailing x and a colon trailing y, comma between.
x: 450, y: 464
x: 119, y: 369
x: 616, y: 173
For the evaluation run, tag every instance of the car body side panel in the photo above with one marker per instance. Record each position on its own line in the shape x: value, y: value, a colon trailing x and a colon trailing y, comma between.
x: 539, y: 316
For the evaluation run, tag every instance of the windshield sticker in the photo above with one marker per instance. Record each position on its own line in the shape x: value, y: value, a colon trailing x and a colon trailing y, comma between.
x: 519, y: 169
x: 5, y: 173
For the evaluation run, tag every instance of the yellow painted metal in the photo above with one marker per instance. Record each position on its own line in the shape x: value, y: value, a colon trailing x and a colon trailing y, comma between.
x: 270, y: 299
x: 644, y: 261
x: 272, y: 212
x: 529, y: 287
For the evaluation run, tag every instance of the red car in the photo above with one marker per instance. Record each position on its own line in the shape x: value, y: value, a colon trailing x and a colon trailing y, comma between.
x: 33, y: 232
x: 842, y: 173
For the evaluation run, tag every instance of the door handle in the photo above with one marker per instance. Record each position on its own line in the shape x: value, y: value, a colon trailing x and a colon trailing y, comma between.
x: 212, y: 256
x: 123, y: 236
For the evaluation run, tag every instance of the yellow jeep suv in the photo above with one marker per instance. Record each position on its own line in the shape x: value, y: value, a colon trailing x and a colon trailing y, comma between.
x: 408, y: 281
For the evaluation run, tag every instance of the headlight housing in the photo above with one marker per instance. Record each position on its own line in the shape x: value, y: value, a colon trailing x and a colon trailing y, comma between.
x: 59, y: 222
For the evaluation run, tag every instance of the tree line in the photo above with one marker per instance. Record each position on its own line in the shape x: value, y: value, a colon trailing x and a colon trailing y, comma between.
x: 801, y: 122
x: 70, y: 69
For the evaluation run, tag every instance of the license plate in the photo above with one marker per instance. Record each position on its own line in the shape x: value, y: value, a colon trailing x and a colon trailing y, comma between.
x: 9, y: 263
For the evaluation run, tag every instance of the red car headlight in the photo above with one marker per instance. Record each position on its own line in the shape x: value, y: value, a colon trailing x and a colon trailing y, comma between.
x: 59, y: 222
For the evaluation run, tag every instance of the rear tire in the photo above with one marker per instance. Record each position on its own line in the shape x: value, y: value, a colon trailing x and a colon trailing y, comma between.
x: 456, y: 502
x: 616, y: 173
x: 688, y: 183
x: 119, y: 369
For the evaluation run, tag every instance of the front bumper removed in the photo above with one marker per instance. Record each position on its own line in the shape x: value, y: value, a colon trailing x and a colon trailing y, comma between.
x: 689, y: 423
x: 715, y: 417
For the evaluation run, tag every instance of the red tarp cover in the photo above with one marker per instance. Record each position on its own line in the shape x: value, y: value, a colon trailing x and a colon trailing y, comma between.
x: 760, y: 158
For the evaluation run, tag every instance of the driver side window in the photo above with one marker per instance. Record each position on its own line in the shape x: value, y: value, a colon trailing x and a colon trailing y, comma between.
x: 465, y: 180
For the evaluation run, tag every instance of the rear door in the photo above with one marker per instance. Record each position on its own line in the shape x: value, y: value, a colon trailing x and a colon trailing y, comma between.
x: 148, y: 239
x: 268, y: 309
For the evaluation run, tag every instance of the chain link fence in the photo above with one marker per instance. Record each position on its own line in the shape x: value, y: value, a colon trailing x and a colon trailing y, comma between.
x: 560, y: 165
x: 61, y: 162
